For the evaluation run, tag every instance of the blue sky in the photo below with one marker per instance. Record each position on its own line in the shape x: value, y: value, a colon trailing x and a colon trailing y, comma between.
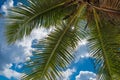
x: 12, y: 57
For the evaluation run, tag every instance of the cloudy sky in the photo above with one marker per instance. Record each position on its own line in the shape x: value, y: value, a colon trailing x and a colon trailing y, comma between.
x: 12, y: 57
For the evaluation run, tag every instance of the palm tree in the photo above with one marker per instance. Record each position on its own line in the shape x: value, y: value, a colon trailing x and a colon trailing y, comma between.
x: 72, y: 20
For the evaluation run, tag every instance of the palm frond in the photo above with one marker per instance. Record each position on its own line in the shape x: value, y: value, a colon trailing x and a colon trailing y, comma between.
x: 57, y: 50
x: 36, y: 14
x: 54, y: 53
x: 110, y: 9
x: 112, y: 5
x: 105, y: 48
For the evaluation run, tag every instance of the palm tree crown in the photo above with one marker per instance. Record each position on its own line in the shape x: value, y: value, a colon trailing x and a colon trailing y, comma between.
x: 72, y: 20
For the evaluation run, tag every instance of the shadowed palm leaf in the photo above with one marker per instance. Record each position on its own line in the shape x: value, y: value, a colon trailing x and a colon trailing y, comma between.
x: 105, y: 48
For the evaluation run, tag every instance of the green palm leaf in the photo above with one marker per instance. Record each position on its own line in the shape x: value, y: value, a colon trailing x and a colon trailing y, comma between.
x: 36, y: 14
x: 57, y: 50
x: 105, y: 48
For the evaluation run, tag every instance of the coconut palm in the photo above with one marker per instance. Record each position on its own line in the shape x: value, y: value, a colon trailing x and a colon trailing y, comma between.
x: 71, y: 21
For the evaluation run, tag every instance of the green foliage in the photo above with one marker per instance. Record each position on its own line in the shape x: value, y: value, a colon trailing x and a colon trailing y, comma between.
x: 105, y: 48
x: 55, y: 52
x: 23, y: 19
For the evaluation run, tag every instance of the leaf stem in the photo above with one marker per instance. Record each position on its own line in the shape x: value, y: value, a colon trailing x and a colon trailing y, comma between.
x: 59, y: 40
x: 102, y: 44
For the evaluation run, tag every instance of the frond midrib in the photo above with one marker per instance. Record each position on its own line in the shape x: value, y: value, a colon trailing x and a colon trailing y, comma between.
x: 102, y: 44
x: 59, y: 40
x: 109, y: 10
x: 58, y: 5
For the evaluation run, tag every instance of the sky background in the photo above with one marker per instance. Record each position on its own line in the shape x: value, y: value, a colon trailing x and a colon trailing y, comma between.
x: 12, y: 57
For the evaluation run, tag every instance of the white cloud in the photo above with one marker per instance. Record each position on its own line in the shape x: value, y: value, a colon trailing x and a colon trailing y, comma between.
x: 9, y: 73
x: 19, y: 3
x: 66, y: 74
x: 19, y: 66
x: 7, y: 5
x: 17, y: 53
x: 83, y: 42
x: 81, y: 52
x: 27, y: 42
x: 9, y: 65
x: 86, y: 75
